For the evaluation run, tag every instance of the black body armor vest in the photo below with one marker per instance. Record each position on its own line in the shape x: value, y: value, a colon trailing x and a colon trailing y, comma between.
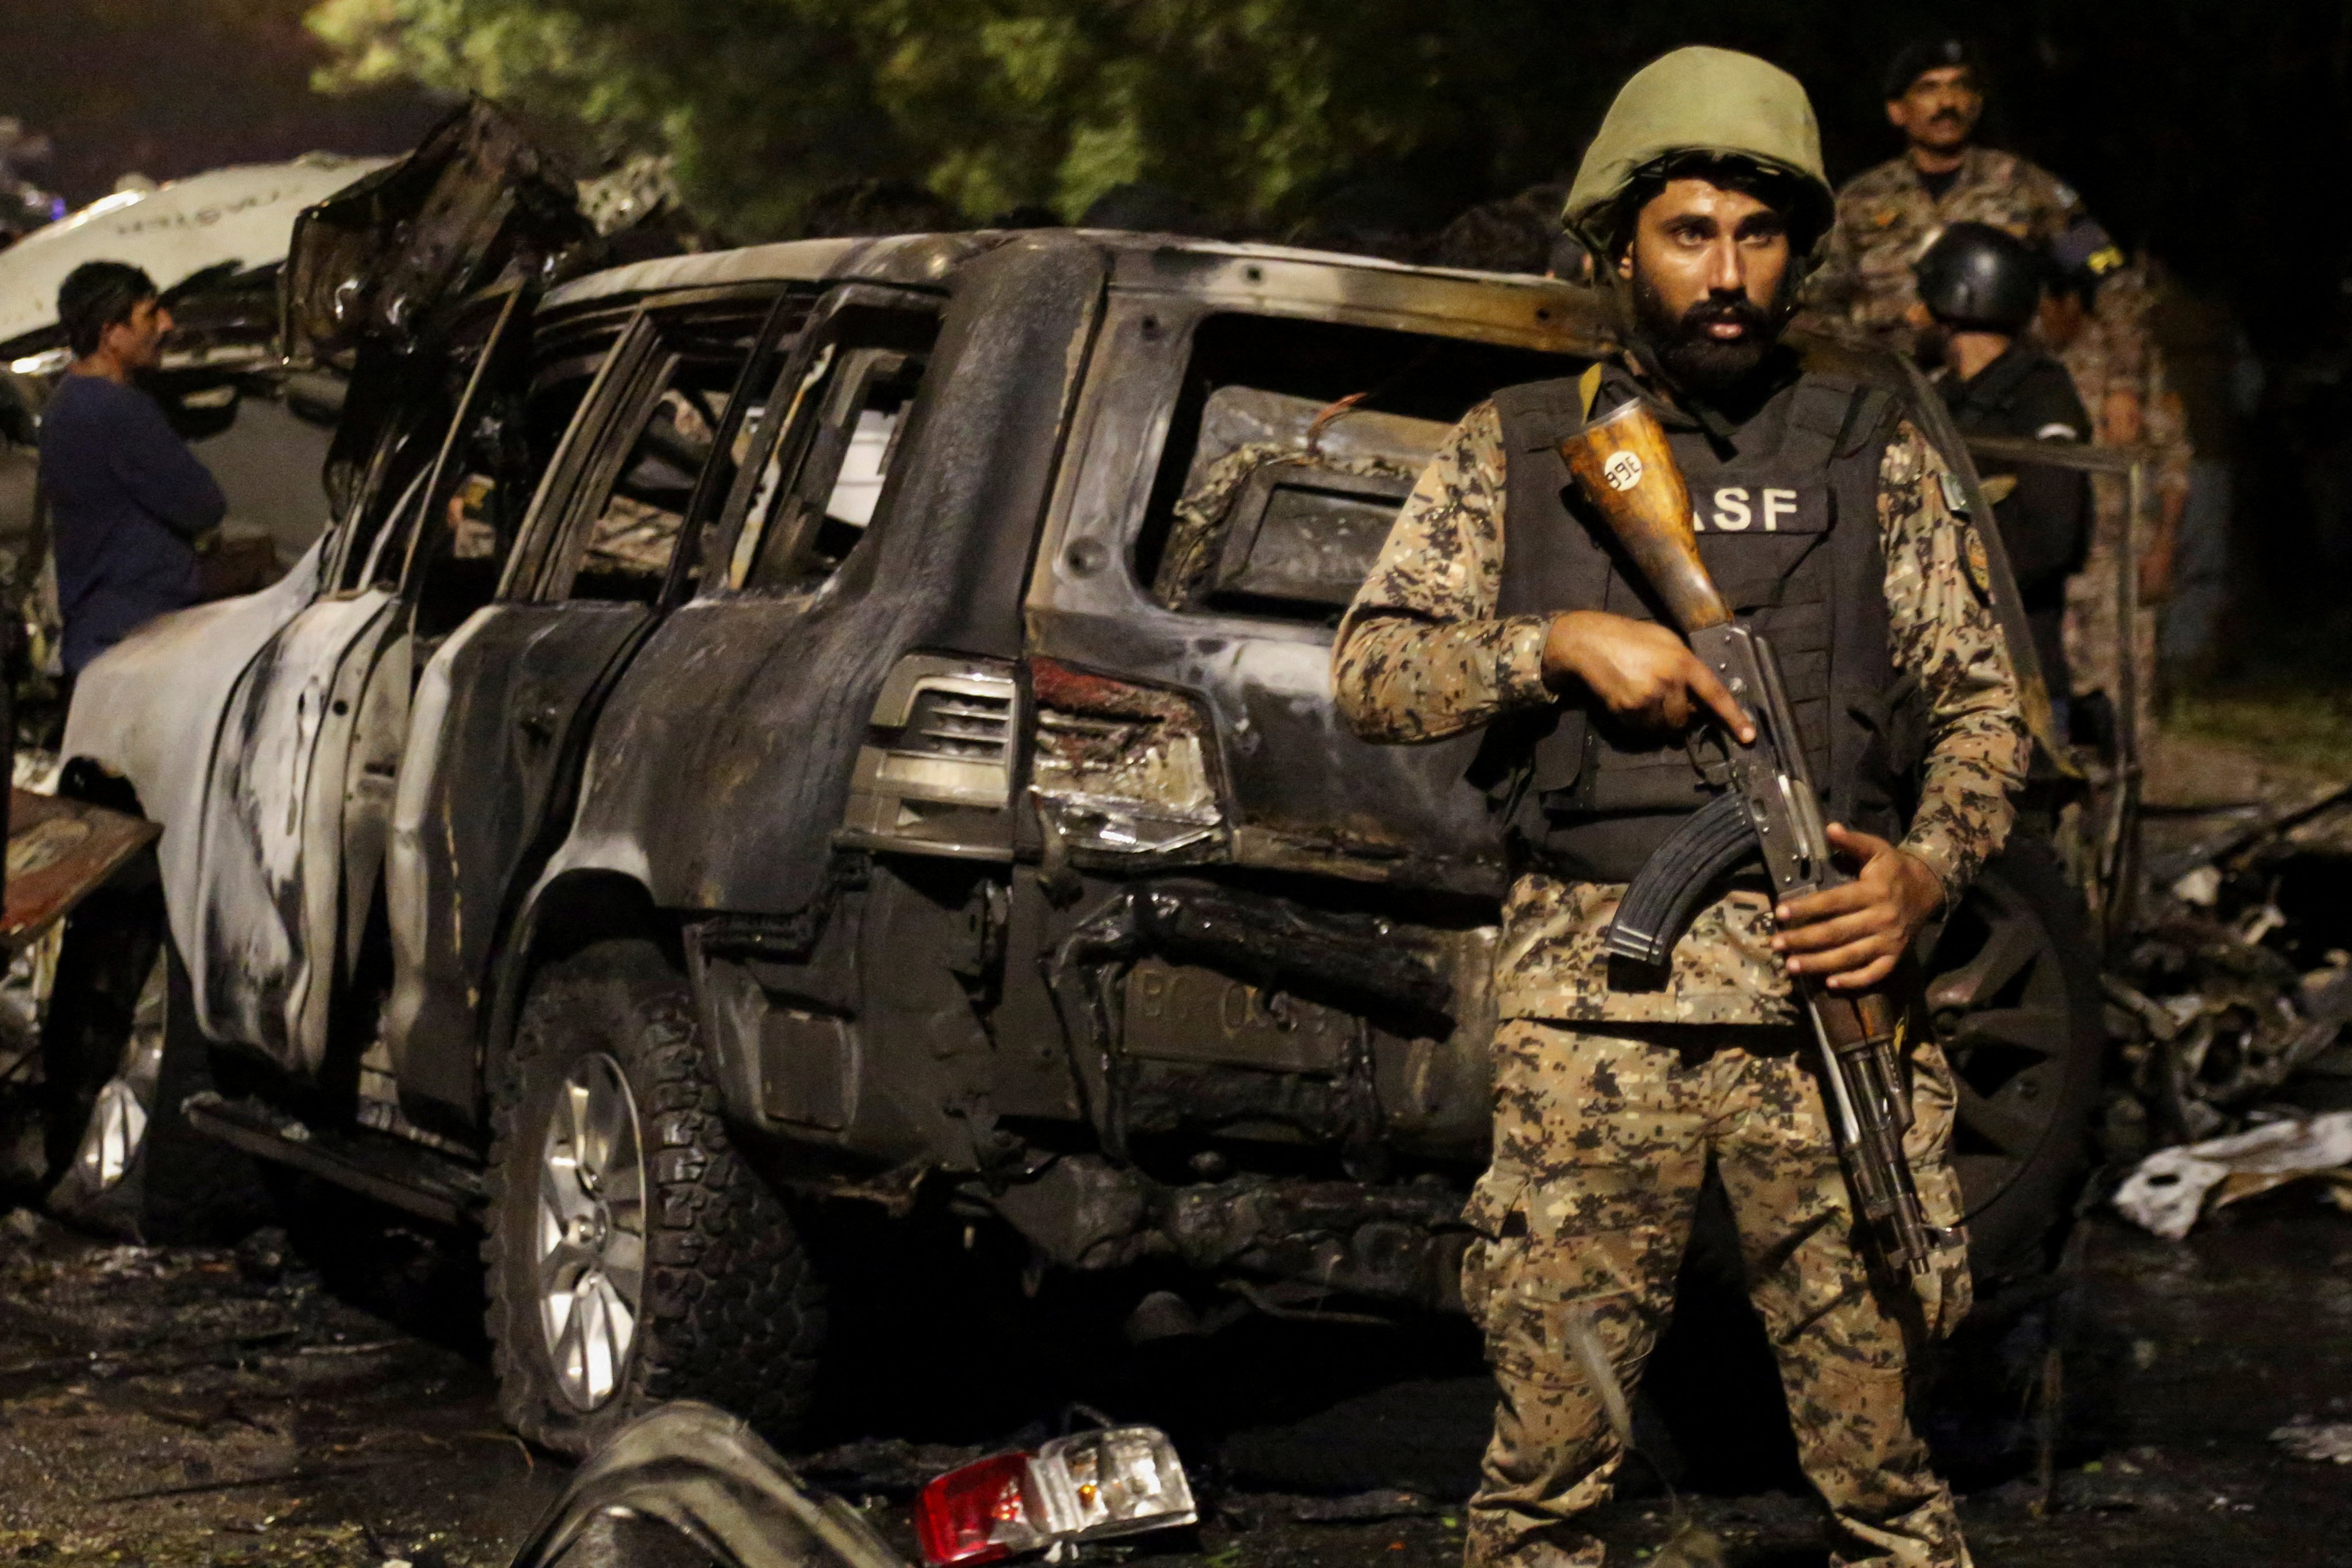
x: 1787, y: 519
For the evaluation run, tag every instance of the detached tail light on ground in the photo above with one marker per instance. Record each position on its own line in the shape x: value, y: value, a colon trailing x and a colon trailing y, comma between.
x: 1090, y: 1487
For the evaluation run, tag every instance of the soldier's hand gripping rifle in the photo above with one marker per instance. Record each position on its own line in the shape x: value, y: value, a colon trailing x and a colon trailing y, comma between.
x: 1626, y: 470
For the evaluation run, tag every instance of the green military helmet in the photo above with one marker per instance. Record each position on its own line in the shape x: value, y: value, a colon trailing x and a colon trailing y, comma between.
x: 1708, y: 103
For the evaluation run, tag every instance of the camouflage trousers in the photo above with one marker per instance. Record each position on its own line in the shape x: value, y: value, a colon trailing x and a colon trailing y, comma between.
x: 1603, y: 1134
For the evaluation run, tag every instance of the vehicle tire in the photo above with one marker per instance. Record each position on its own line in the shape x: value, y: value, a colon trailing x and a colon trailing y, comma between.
x: 2013, y: 988
x: 120, y: 1054
x: 632, y: 1255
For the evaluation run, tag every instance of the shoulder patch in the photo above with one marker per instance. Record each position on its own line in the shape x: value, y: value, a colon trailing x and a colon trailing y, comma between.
x: 1980, y: 564
x: 1955, y: 495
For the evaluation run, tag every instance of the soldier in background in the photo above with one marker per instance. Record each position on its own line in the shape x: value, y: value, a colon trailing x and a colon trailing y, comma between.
x: 1979, y: 290
x: 2097, y: 319
x: 1889, y: 215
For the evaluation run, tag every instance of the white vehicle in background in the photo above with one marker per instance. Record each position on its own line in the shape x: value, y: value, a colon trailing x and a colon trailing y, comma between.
x: 232, y: 224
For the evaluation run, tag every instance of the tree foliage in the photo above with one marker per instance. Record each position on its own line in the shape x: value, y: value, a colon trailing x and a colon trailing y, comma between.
x: 2183, y: 127
x: 1244, y: 107
x: 760, y: 102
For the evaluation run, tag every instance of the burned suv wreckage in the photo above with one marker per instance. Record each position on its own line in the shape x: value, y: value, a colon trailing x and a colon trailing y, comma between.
x: 849, y: 723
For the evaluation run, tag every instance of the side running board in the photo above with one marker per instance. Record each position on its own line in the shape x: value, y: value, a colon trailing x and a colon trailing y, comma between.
x: 390, y: 1170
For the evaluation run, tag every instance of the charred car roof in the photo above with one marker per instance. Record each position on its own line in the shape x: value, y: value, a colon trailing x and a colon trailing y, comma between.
x: 1514, y: 308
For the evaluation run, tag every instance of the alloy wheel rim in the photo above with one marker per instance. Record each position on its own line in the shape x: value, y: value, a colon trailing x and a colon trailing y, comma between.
x: 117, y: 1123
x: 591, y: 1231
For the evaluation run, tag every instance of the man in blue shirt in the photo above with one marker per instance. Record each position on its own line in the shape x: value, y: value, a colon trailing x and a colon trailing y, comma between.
x: 127, y: 499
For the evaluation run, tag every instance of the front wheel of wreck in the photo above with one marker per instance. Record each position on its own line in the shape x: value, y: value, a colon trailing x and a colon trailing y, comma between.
x: 632, y: 1256
x: 2012, y: 990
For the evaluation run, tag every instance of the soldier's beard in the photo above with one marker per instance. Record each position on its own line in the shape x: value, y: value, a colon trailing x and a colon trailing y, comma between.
x: 1689, y: 356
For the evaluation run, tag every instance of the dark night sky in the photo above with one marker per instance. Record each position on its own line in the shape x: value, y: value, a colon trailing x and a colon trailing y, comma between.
x: 170, y: 87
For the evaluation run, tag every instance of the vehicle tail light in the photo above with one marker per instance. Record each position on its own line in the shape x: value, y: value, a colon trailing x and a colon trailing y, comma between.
x: 1122, y: 769
x: 1090, y: 1487
x: 980, y: 1513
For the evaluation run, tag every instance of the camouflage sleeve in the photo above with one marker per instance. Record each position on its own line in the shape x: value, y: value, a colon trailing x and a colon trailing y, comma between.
x: 1942, y: 632
x: 2060, y: 205
x: 1421, y: 654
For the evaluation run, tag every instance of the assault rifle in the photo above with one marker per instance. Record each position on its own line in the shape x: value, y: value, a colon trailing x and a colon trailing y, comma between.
x: 1626, y: 470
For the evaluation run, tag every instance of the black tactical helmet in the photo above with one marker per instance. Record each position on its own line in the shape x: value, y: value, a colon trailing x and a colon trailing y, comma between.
x: 1977, y: 278
x: 1921, y: 56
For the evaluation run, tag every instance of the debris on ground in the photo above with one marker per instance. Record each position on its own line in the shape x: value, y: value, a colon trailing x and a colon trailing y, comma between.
x: 171, y: 1405
x: 2213, y: 1020
x: 2173, y: 1188
x: 1109, y: 1484
x: 2231, y: 999
x: 890, y: 1467
x: 2228, y: 1005
x: 1259, y: 1510
x: 2322, y: 1442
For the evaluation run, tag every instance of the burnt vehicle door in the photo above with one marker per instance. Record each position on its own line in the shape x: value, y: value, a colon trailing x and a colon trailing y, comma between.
x: 790, y: 623
x: 505, y: 703
x: 268, y: 908
x: 417, y: 282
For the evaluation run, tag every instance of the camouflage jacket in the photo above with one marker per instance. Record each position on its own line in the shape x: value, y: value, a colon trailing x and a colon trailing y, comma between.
x: 1422, y: 655
x: 1886, y: 219
x: 2119, y: 373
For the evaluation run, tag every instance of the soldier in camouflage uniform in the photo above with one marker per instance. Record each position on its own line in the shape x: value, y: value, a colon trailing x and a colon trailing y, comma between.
x: 1887, y: 216
x: 2097, y: 317
x: 1614, y: 1092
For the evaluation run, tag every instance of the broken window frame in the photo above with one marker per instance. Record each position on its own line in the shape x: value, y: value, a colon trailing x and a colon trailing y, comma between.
x: 1201, y: 368
x: 543, y: 394
x: 744, y: 554
x: 546, y: 562
x: 404, y: 456
x: 401, y: 483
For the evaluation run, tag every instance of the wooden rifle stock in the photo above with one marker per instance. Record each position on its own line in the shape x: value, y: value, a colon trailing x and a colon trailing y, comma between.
x: 1629, y: 473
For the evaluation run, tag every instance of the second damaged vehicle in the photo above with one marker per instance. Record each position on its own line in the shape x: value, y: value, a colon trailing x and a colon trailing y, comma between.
x: 849, y: 723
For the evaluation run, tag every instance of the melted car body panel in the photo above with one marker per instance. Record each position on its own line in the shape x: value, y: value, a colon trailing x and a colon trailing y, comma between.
x: 256, y: 859
x: 783, y: 686
x: 150, y: 708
